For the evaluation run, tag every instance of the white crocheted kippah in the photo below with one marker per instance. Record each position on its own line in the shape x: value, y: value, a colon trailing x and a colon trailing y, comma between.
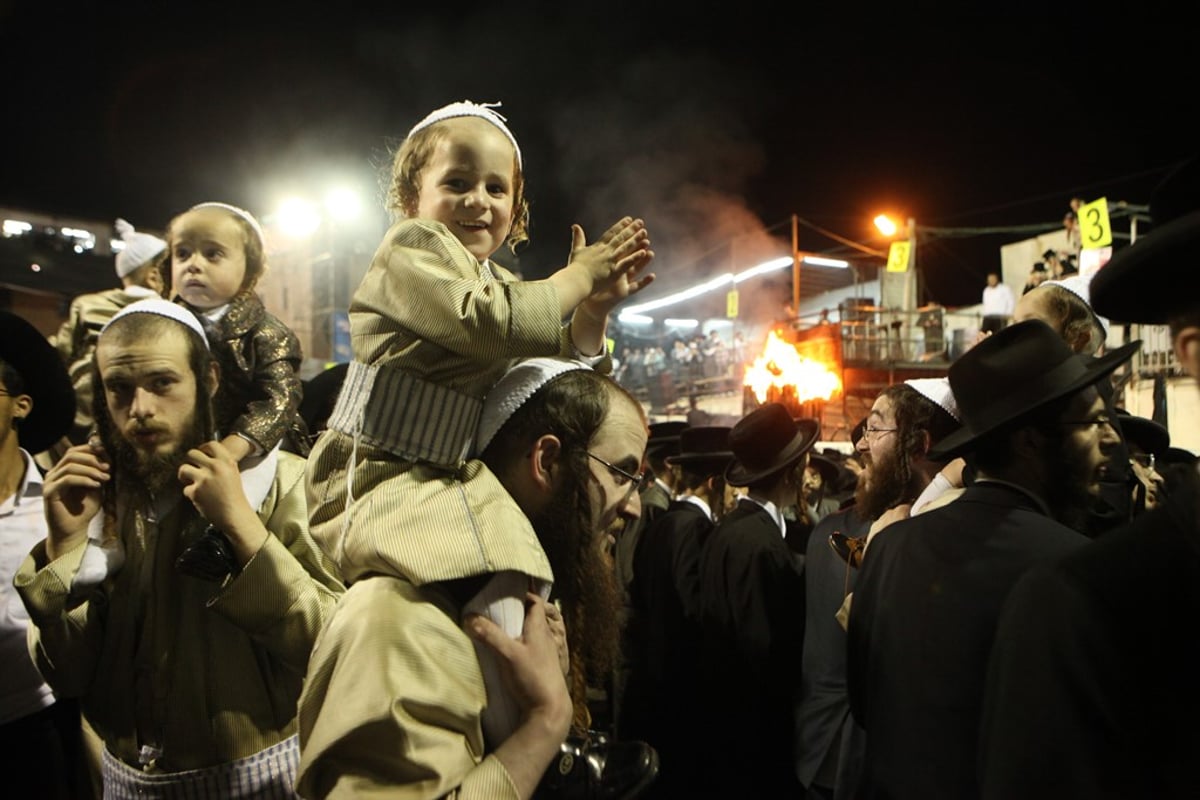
x: 466, y: 108
x: 937, y: 391
x: 140, y: 248
x: 163, y: 308
x: 241, y: 212
x: 512, y: 390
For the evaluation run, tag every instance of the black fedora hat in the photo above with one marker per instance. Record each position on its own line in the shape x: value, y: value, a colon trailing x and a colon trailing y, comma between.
x: 663, y: 440
x: 1145, y: 433
x: 1177, y: 455
x: 26, y: 350
x: 1013, y: 372
x: 766, y: 441
x: 703, y: 450
x: 1149, y: 280
x: 830, y: 472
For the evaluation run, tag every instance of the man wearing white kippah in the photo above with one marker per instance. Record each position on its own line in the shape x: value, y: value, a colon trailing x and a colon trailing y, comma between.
x: 398, y: 690
x: 906, y: 420
x: 138, y: 266
x: 189, y: 673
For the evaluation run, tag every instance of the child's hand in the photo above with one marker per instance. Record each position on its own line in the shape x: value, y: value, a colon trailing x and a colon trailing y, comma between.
x: 623, y: 247
x: 610, y: 294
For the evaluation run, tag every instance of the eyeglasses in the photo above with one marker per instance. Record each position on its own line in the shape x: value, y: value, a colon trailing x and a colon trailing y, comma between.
x: 1146, y: 460
x: 870, y: 432
x: 636, y: 482
x: 1102, y: 419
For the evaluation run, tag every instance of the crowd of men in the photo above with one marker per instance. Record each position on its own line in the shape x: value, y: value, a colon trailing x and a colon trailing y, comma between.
x: 997, y: 606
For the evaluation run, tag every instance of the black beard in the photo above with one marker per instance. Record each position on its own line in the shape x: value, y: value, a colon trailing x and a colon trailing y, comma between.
x: 583, y: 582
x: 1068, y: 495
x: 151, y: 472
x: 882, y: 485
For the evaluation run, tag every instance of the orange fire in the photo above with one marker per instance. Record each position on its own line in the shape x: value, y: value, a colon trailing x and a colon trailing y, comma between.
x: 781, y: 366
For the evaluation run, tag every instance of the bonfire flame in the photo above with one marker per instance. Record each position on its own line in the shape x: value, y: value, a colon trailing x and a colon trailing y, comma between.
x: 781, y: 368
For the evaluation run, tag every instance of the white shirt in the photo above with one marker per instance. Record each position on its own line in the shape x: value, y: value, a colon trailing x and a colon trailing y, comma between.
x: 773, y: 510
x: 998, y: 301
x: 22, y: 525
x: 696, y: 501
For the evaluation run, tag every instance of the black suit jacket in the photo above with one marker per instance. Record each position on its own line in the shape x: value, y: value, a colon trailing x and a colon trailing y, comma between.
x: 752, y: 612
x: 1093, y: 689
x: 925, y: 610
x: 823, y: 714
x: 665, y: 696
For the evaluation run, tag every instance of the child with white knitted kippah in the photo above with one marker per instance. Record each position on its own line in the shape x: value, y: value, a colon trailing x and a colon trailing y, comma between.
x: 434, y: 324
x: 217, y: 258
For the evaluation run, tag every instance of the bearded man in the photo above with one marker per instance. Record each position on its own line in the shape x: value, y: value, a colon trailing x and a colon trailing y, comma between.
x: 403, y: 680
x: 1037, y: 434
x: 191, y: 683
x: 906, y: 421
x: 1091, y: 687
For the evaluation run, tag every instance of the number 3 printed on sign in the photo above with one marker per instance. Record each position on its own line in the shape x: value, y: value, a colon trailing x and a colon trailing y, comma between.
x: 1094, y: 230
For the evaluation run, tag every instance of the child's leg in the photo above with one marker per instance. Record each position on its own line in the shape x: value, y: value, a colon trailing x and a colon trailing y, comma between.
x: 502, y: 600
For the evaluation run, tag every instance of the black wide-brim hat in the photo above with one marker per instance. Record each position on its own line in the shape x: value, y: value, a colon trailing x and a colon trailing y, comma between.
x: 663, y: 439
x: 1177, y: 455
x: 25, y: 349
x: 766, y: 441
x: 703, y: 450
x: 1013, y: 372
x: 830, y: 472
x: 1154, y: 277
x: 1145, y: 433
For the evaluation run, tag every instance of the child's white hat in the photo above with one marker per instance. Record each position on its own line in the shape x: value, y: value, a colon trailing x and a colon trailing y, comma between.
x: 513, y: 389
x: 241, y: 212
x: 140, y: 248
x: 163, y: 308
x: 466, y: 108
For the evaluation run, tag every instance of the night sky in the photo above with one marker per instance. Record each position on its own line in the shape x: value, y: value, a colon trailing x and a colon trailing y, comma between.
x: 714, y: 121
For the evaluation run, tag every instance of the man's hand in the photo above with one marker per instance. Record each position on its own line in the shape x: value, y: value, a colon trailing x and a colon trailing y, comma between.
x: 211, y: 480
x: 71, y: 494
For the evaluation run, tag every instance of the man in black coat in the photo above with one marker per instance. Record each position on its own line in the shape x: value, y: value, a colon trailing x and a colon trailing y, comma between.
x: 655, y: 497
x: 752, y: 611
x: 906, y: 420
x: 1092, y: 690
x: 1036, y: 432
x: 665, y: 696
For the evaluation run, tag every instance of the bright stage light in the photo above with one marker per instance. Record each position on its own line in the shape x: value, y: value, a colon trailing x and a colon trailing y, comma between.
x: 343, y: 204
x: 297, y: 218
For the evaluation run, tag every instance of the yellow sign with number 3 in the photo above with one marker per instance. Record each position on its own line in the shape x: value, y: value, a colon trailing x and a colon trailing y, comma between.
x: 898, y: 255
x: 1094, y: 230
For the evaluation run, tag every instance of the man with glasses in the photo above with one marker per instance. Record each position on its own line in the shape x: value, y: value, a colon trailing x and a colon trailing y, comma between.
x: 905, y: 422
x: 436, y: 676
x: 1036, y: 433
x: 1147, y: 442
x: 752, y: 611
x: 1092, y: 688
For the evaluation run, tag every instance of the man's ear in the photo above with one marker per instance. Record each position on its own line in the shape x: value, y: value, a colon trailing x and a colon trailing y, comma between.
x: 1187, y: 349
x: 924, y: 443
x: 22, y: 405
x: 544, y: 460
